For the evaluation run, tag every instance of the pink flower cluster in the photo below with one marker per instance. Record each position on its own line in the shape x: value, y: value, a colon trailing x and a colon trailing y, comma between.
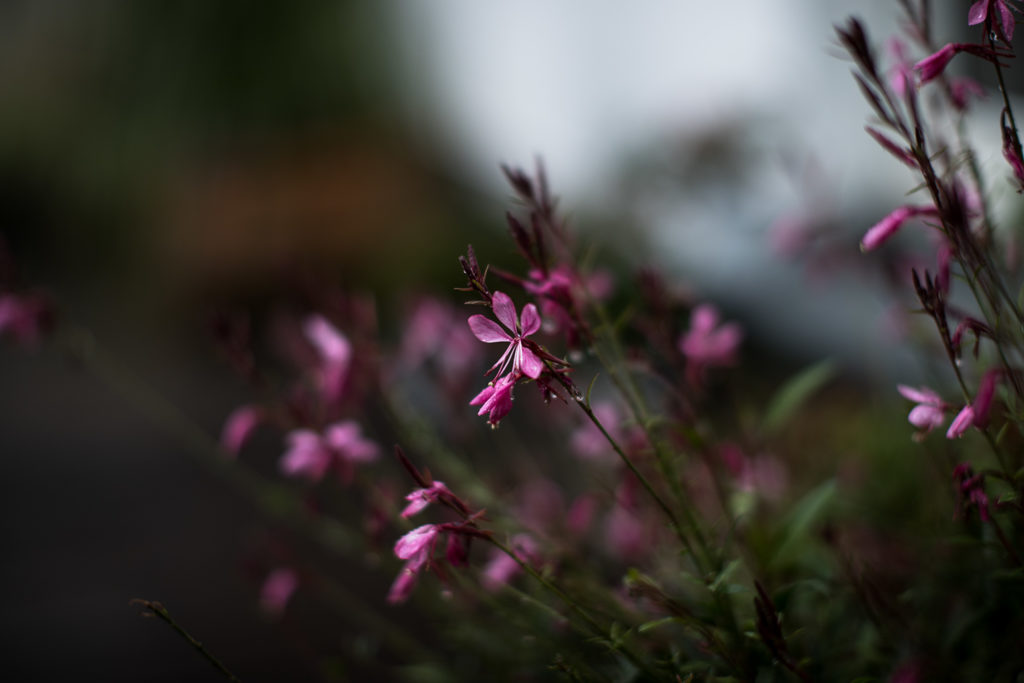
x: 930, y: 411
x: 417, y: 548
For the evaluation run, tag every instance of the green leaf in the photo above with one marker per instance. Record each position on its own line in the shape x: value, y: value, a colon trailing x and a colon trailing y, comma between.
x: 651, y: 625
x: 799, y: 522
x: 795, y: 392
x: 725, y: 574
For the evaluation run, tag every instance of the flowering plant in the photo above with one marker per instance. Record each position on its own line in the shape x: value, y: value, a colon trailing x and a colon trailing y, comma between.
x: 665, y: 506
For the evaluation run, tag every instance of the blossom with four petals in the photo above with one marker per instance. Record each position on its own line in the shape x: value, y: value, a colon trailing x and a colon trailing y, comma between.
x: 519, y: 358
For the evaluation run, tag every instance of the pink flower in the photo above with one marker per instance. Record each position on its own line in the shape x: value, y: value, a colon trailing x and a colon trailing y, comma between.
x: 888, y: 226
x: 976, y: 413
x: 961, y: 423
x: 900, y: 74
x: 335, y: 353
x: 589, y: 443
x: 979, y: 12
x: 495, y: 399
x: 416, y: 548
x: 277, y: 590
x: 933, y: 65
x: 930, y: 411
x: 706, y: 343
x: 521, y: 359
x: 435, y: 331
x: 421, y: 498
x: 502, y: 567
x: 983, y: 399
x: 239, y: 426
x: 342, y: 445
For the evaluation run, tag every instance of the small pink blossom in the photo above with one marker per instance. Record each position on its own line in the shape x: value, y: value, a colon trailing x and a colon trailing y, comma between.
x: 277, y: 590
x: 239, y: 426
x: 341, y: 445
x: 520, y: 358
x: 961, y: 423
x: 930, y: 411
x: 706, y: 343
x: 421, y: 498
x: 888, y: 226
x: 417, y: 549
x: 495, y: 399
x: 435, y: 331
x: 502, y: 568
x: 900, y: 75
x: 589, y: 443
x: 335, y: 354
x: 402, y: 588
x: 933, y: 65
x: 982, y: 403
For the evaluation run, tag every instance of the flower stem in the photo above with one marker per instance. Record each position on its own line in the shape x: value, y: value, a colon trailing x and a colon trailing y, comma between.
x: 159, y: 611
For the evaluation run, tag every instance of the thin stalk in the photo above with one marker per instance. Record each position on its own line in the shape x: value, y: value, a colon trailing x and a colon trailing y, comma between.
x: 159, y: 611
x: 595, y: 628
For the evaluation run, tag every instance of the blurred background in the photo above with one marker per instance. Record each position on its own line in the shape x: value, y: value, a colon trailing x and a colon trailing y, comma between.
x: 158, y: 159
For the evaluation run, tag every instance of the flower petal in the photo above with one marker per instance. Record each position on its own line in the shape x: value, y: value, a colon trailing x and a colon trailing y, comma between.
x: 486, y: 330
x: 922, y: 395
x: 530, y: 364
x: 530, y: 320
x: 504, y: 310
x: 978, y: 12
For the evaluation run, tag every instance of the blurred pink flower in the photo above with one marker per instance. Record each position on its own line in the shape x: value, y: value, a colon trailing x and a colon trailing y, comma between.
x: 436, y: 331
x: 581, y: 515
x: 277, y: 590
x: 888, y: 226
x: 311, y: 454
x: 933, y: 65
x: 706, y: 344
x: 502, y: 568
x: 961, y: 423
x: 521, y: 359
x: 589, y: 443
x: 421, y: 498
x: 416, y: 548
x: 239, y: 426
x: 900, y: 75
x: 335, y: 355
x: 930, y: 411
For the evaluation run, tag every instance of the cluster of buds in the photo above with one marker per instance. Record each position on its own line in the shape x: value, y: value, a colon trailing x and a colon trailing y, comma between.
x: 418, y: 547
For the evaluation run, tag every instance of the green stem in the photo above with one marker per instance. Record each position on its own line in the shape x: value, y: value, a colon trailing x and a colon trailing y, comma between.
x: 159, y: 611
